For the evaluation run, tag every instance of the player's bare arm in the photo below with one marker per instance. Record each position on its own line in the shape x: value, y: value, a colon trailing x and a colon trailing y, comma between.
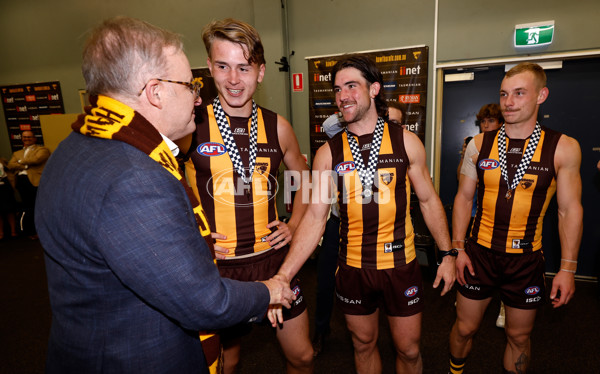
x: 312, y: 224
x: 461, y: 211
x: 567, y: 162
x: 431, y: 206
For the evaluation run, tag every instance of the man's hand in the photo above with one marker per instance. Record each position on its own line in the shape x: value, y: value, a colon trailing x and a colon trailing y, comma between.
x: 275, y: 315
x: 463, y: 261
x: 220, y: 252
x: 447, y: 272
x: 563, y: 288
x: 281, y: 294
x: 281, y: 236
x: 279, y: 291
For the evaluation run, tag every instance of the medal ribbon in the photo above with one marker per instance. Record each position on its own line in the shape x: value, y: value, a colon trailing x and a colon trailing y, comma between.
x: 525, y: 159
x: 367, y: 174
x: 229, y: 140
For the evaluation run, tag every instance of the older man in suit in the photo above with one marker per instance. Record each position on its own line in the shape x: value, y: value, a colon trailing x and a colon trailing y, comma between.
x: 130, y: 276
x: 27, y: 164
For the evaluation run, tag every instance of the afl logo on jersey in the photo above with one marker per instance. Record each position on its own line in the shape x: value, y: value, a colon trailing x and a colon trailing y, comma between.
x: 411, y: 291
x: 533, y: 290
x: 488, y: 164
x: 344, y: 167
x: 211, y: 149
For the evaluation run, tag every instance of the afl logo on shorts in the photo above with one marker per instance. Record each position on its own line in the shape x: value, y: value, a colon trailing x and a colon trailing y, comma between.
x: 211, y: 149
x: 488, y: 164
x: 296, y: 291
x: 533, y: 290
x: 344, y: 167
x: 411, y: 291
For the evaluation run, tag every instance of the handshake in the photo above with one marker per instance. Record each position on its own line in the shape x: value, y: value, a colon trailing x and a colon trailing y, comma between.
x: 281, y: 294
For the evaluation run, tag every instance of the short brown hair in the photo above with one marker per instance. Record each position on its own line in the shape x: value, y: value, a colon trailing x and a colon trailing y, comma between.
x: 238, y: 32
x: 122, y: 53
x: 535, y: 69
x: 490, y: 111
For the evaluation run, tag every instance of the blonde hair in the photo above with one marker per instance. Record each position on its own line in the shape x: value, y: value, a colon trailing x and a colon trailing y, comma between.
x: 535, y: 69
x: 238, y: 32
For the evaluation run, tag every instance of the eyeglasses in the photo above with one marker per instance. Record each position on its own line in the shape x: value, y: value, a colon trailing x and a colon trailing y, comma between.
x: 193, y: 86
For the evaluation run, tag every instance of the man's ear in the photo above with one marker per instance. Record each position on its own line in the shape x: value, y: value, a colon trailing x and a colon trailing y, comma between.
x: 374, y: 89
x: 543, y: 95
x: 153, y: 91
x: 261, y: 72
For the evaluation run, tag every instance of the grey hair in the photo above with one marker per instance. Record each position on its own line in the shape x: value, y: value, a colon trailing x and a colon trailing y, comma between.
x: 122, y: 53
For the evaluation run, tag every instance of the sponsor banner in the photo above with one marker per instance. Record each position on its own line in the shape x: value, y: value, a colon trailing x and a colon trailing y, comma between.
x: 404, y: 74
x: 24, y: 103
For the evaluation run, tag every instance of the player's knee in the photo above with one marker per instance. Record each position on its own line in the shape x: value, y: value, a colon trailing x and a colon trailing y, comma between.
x: 409, y: 353
x: 465, y: 330
x: 518, y: 339
x: 302, y: 359
x: 364, y: 342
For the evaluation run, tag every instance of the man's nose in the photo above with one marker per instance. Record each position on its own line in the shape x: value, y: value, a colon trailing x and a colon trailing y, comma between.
x: 233, y: 77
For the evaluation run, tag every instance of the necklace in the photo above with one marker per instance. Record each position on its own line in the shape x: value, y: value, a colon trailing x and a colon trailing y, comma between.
x: 367, y: 173
x: 525, y: 159
x: 230, y: 144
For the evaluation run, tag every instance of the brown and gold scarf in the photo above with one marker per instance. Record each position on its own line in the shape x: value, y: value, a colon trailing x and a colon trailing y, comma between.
x: 107, y: 118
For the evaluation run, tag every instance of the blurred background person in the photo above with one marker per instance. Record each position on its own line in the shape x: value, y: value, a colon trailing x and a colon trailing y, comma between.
x: 8, y: 204
x: 28, y: 164
x: 489, y: 118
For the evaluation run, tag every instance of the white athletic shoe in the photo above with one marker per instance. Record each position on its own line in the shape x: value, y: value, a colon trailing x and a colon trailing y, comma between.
x: 501, y: 318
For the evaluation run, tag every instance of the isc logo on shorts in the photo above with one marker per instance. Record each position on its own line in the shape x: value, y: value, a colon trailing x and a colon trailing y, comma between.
x: 488, y: 164
x: 211, y: 149
x: 533, y: 290
x: 413, y: 301
x: 411, y: 291
x: 344, y: 167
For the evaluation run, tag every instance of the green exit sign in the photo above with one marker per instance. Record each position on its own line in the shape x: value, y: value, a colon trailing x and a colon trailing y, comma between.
x: 534, y: 34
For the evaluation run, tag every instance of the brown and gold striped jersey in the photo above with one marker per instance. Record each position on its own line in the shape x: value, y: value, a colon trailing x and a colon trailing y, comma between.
x: 375, y: 233
x: 514, y: 225
x: 238, y: 211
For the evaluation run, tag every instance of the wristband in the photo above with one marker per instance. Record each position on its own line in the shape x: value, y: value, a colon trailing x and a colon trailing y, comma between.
x: 568, y: 271
x: 571, y: 261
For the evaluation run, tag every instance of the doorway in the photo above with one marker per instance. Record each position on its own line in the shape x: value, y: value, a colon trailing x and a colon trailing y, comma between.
x: 573, y: 108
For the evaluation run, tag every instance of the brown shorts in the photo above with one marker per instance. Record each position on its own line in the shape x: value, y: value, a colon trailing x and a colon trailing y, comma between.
x: 262, y: 267
x: 399, y: 291
x: 519, y: 278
